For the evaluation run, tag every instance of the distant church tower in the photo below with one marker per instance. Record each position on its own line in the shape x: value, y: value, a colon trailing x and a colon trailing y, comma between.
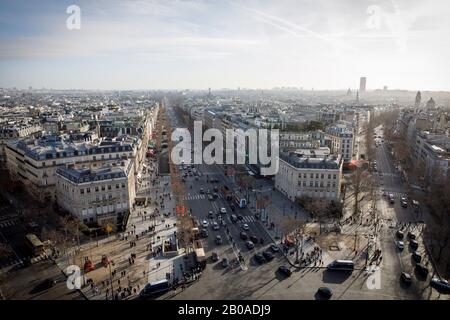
x: 430, y: 104
x: 418, y: 100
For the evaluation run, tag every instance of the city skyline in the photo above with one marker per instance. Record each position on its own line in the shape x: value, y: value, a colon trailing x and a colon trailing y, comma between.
x: 196, y: 44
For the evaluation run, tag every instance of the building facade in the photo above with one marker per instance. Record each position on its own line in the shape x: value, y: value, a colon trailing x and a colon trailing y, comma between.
x: 100, y: 195
x: 312, y: 173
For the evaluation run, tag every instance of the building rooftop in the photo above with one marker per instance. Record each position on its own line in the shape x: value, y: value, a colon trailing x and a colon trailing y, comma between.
x: 116, y: 169
x: 319, y: 158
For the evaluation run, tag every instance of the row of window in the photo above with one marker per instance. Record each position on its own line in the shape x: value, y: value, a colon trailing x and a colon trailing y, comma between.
x: 103, y: 188
x: 94, y: 158
x: 317, y: 175
x: 317, y: 184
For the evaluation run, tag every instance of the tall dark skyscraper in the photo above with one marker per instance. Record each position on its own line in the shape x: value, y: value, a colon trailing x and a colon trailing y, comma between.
x: 362, y: 84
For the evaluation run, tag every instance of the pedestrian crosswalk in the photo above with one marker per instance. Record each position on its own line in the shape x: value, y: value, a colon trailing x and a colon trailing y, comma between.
x: 248, y: 219
x: 8, y: 223
x: 245, y: 219
x: 199, y: 196
x: 394, y: 193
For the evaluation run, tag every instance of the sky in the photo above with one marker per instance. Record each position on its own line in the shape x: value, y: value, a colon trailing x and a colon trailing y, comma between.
x: 175, y: 44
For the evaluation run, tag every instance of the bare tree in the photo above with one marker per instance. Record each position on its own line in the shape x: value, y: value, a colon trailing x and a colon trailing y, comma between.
x: 359, y: 184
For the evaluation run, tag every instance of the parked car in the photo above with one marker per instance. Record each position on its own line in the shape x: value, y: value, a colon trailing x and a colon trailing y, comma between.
x: 285, y: 270
x: 411, y: 236
x: 244, y: 235
x: 274, y: 248
x: 442, y: 286
x: 215, y: 225
x: 254, y: 239
x: 249, y: 244
x: 325, y: 292
x: 400, y: 234
x: 406, y: 278
x: 268, y: 255
x: 204, y: 223
x: 214, y: 257
x: 204, y: 233
x: 259, y: 258
x: 422, y: 270
x: 219, y: 240
x: 417, y: 257
x: 225, y: 263
x: 400, y: 245
x: 413, y: 244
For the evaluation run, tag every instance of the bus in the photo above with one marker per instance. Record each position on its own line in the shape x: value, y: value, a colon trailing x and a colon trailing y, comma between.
x: 199, y: 253
x: 36, y: 246
x: 155, y: 288
x: 239, y: 199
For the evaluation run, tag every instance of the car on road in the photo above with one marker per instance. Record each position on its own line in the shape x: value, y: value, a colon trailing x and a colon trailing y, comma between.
x: 254, y: 239
x: 406, y: 278
x: 223, y: 210
x: 400, y: 245
x: 202, y: 191
x: 285, y: 270
x: 259, y: 258
x: 416, y: 257
x: 400, y: 234
x: 210, y: 214
x: 413, y: 244
x: 422, y: 270
x: 204, y: 233
x: 216, y: 189
x: 215, y: 225
x: 244, y: 235
x: 240, y: 217
x: 442, y: 286
x: 210, y: 197
x: 225, y: 263
x: 341, y: 265
x: 325, y: 292
x: 232, y: 207
x: 214, y: 257
x: 215, y: 195
x: 233, y: 218
x: 219, y: 240
x: 204, y: 223
x: 274, y: 247
x: 404, y: 202
x: 249, y: 244
x: 245, y: 227
x: 391, y: 198
x: 268, y: 255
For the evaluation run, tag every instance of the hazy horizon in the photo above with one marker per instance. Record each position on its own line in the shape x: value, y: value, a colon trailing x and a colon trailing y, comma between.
x: 173, y: 45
